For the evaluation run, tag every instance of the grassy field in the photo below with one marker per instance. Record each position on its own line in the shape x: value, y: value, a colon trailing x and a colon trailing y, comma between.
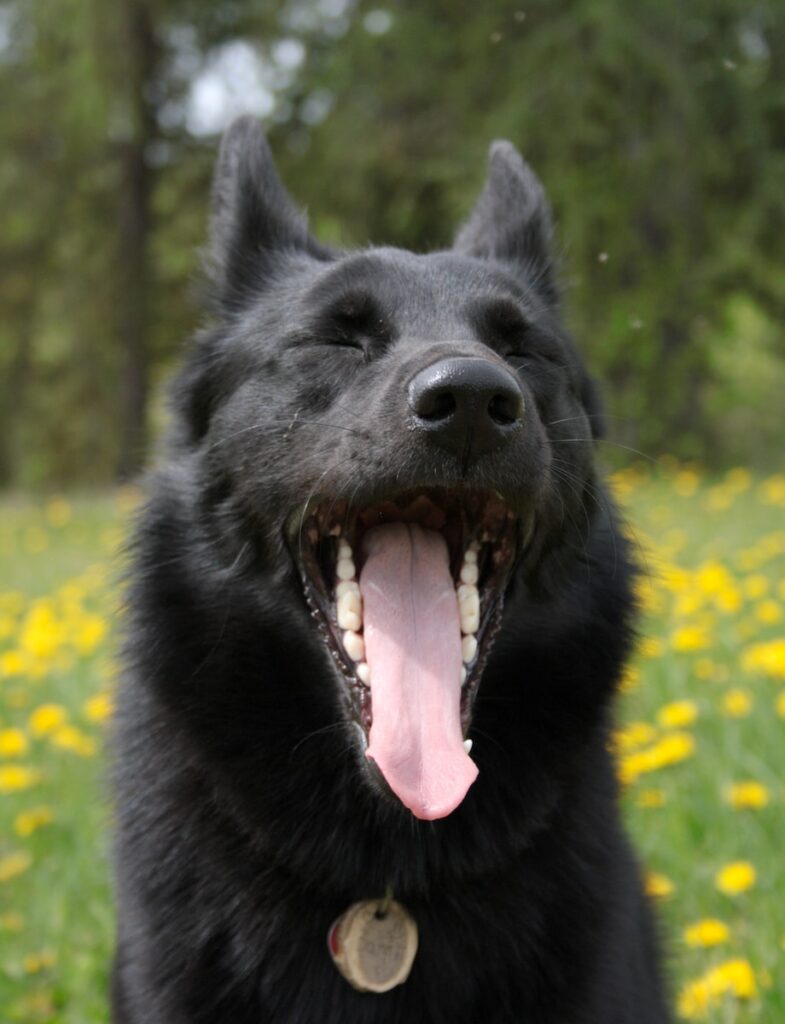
x: 700, y: 742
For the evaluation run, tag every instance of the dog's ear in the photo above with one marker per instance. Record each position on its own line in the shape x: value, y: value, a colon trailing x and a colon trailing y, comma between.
x: 253, y: 221
x: 511, y: 220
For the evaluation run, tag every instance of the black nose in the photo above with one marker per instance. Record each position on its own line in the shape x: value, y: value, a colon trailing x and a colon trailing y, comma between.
x: 469, y: 406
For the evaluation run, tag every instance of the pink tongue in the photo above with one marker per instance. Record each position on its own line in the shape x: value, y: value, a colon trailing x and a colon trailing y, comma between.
x: 413, y: 650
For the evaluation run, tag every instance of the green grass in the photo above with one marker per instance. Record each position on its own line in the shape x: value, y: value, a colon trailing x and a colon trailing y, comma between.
x: 56, y: 918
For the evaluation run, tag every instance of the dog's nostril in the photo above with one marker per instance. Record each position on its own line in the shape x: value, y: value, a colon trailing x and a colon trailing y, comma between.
x: 505, y: 408
x: 434, y: 405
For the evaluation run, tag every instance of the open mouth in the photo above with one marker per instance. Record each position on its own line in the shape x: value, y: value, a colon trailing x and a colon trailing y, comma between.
x: 408, y: 596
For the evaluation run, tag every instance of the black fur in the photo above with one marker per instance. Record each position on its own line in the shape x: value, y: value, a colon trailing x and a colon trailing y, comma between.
x: 246, y: 818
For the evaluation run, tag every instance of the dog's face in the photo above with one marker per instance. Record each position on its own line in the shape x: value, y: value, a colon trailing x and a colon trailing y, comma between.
x: 399, y: 439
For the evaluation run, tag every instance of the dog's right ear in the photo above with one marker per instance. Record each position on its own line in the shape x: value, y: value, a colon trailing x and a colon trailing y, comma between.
x: 253, y: 221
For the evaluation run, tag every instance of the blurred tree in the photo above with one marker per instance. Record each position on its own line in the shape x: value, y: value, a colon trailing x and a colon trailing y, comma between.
x: 658, y: 129
x: 659, y: 132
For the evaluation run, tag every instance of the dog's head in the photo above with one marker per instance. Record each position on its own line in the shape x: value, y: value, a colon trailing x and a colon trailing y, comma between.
x: 398, y: 441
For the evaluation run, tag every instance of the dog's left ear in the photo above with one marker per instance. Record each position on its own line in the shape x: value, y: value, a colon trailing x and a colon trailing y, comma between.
x: 511, y: 220
x: 253, y: 222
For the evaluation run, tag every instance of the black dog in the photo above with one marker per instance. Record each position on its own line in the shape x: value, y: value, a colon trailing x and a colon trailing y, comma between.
x: 377, y: 533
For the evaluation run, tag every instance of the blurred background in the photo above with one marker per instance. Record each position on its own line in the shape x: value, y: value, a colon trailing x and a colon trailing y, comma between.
x: 659, y: 130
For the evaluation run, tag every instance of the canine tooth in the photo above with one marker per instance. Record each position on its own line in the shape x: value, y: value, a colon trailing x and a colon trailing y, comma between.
x: 468, y: 648
x: 347, y: 587
x: 345, y: 570
x: 467, y: 746
x: 363, y: 672
x: 470, y: 622
x: 349, y: 611
x: 470, y: 557
x: 463, y: 674
x: 469, y: 573
x: 354, y: 645
x: 344, y: 551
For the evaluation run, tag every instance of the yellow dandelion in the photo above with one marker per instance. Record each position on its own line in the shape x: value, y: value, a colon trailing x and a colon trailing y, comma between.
x: 690, y: 638
x: 13, y: 743
x: 705, y: 669
x: 88, y: 635
x: 707, y: 932
x: 736, y: 703
x: 11, y: 921
x: 99, y: 707
x: 678, y: 714
x: 734, y: 977
x: 750, y: 794
x: 766, y: 658
x: 12, y: 663
x: 671, y: 749
x: 68, y: 737
x: 630, y: 679
x: 768, y: 612
x: 58, y: 512
x: 14, y: 864
x: 651, y: 798
x: 658, y: 886
x: 651, y: 647
x: 739, y: 876
x: 26, y: 822
x: 46, y: 718
x: 728, y: 600
x: 755, y: 586
x: 34, y: 963
x: 738, y: 479
x: 772, y: 490
x: 686, y: 482
x: 633, y: 735
x: 16, y: 777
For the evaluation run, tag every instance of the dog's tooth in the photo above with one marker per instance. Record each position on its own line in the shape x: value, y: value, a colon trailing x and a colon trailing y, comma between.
x: 469, y: 599
x: 468, y: 648
x: 470, y: 621
x: 346, y: 587
x: 363, y: 673
x: 349, y: 611
x: 354, y: 645
x: 345, y: 569
x: 464, y: 674
x: 467, y: 746
x: 469, y: 573
x: 344, y: 550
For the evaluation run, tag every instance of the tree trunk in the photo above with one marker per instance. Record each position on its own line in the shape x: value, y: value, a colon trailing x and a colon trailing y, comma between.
x: 134, y: 225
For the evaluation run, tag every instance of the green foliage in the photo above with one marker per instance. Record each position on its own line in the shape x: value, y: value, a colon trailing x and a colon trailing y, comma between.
x: 658, y: 130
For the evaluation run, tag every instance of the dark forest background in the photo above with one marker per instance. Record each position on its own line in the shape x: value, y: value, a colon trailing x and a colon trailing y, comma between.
x: 657, y: 126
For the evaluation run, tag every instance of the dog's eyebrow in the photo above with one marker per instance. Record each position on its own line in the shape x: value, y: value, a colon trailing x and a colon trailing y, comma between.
x: 499, y: 310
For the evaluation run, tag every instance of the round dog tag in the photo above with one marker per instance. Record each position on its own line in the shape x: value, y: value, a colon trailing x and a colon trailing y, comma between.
x: 373, y: 944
